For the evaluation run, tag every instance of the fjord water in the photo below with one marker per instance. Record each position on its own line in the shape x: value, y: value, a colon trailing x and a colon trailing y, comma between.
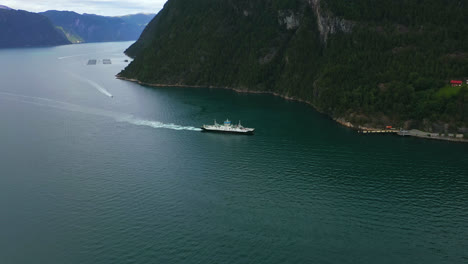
x: 90, y: 178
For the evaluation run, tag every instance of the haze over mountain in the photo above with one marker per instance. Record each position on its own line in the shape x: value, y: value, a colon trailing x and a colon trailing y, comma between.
x: 98, y: 7
x: 4, y: 7
x: 374, y: 63
x: 138, y: 19
x: 24, y: 29
x: 93, y: 28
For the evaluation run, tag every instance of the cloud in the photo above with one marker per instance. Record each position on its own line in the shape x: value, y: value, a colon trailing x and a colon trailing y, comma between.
x: 99, y: 7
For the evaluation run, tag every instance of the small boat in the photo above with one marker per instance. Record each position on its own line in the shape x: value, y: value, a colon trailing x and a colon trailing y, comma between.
x: 228, y: 127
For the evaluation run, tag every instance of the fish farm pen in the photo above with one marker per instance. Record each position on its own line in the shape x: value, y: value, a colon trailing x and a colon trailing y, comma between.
x: 94, y: 61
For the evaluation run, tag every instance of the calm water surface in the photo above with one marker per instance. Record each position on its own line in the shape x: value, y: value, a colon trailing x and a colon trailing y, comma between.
x: 90, y: 178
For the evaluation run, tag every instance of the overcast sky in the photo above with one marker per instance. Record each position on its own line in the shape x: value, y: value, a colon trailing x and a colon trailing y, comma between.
x: 99, y: 7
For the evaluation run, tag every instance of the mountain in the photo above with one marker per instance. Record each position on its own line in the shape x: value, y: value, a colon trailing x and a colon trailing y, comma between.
x: 374, y: 63
x: 24, y: 29
x: 93, y: 28
x: 138, y: 19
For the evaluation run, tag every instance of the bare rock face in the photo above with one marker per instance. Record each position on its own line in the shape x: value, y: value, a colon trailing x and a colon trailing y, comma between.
x: 289, y: 19
x: 327, y: 23
x: 268, y: 57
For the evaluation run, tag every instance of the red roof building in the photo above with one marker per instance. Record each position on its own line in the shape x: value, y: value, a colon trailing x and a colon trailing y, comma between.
x: 456, y: 83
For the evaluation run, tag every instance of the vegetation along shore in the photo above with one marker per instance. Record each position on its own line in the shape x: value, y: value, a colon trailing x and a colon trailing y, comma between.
x: 392, y: 64
x: 341, y: 121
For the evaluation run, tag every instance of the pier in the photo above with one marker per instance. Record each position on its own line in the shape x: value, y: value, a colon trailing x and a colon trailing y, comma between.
x: 416, y: 133
x: 378, y: 131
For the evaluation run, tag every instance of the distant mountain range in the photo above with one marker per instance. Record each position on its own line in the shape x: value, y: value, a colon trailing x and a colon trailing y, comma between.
x: 93, y: 28
x: 25, y: 29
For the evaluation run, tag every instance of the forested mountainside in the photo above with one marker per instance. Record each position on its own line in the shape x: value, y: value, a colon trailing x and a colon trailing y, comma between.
x: 370, y: 62
x: 24, y: 29
x: 93, y: 28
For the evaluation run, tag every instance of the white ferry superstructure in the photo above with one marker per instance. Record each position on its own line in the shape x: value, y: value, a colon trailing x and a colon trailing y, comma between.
x: 228, y: 127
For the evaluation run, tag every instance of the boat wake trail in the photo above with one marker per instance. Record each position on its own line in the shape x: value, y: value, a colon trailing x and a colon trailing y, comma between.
x: 99, y: 88
x: 93, y: 84
x: 116, y: 51
x: 156, y: 124
x: 119, y: 117
x: 72, y: 56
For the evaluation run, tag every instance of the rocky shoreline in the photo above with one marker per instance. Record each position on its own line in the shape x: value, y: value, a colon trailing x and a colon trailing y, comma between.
x: 238, y: 90
x: 341, y: 121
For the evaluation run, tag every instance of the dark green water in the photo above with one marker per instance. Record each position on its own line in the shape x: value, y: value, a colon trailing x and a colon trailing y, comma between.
x: 86, y: 178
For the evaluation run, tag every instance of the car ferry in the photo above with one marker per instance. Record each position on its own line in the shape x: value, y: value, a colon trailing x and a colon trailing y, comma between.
x: 228, y: 127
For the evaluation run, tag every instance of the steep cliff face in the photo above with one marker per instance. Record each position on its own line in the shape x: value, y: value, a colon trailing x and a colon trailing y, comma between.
x: 370, y: 62
x: 328, y: 23
x: 252, y: 45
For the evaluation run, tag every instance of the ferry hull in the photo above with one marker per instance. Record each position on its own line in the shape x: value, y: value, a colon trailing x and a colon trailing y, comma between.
x: 227, y: 132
